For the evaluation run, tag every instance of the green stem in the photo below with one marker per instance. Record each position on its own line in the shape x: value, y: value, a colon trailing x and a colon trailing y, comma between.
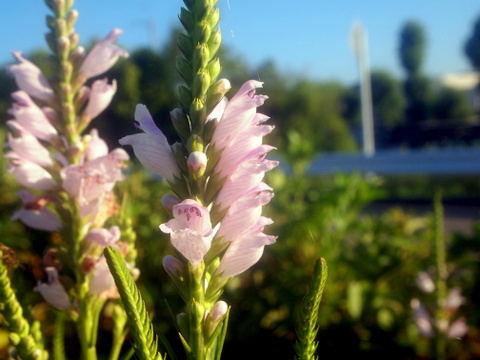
x: 441, y: 279
x: 59, y: 337
x: 197, y: 313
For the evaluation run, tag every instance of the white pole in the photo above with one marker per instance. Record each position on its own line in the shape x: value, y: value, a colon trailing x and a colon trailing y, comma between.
x: 360, y: 48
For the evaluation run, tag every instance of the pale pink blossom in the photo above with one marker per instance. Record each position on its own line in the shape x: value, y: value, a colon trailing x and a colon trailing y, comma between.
x: 151, y: 147
x: 238, y: 114
x: 190, y: 230
x: 102, y: 56
x: 100, y: 96
x: 35, y: 214
x: 97, y: 147
x: 457, y: 329
x: 94, y: 178
x: 454, y: 299
x: 245, y: 251
x: 53, y: 291
x: 30, y: 79
x: 29, y: 174
x: 422, y: 318
x: 30, y: 117
x: 29, y: 148
x: 102, y: 279
x: 424, y: 282
x: 104, y: 237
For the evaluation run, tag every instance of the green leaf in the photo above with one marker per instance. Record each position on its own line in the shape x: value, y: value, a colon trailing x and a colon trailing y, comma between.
x: 145, y: 340
x: 307, y: 331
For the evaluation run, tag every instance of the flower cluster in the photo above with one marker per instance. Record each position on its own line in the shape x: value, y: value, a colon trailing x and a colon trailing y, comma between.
x: 425, y: 322
x: 67, y: 177
x: 230, y: 225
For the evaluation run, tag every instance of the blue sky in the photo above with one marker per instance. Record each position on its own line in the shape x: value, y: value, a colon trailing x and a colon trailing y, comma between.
x: 303, y: 37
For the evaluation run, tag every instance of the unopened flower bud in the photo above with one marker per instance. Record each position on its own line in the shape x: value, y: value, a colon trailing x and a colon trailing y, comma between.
x: 202, y: 32
x: 169, y: 201
x: 72, y: 17
x: 213, y: 17
x: 173, y: 267
x: 214, y: 42
x: 198, y: 112
x: 214, y: 68
x: 197, y: 162
x: 217, y: 92
x: 201, y: 83
x: 201, y: 57
x: 218, y: 311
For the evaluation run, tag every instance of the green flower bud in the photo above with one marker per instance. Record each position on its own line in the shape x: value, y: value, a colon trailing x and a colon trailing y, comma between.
x: 198, y: 113
x: 201, y: 84
x: 214, y: 68
x: 214, y: 41
x: 185, y: 45
x: 213, y: 17
x: 63, y: 44
x: 202, y: 33
x: 74, y: 40
x: 72, y: 18
x: 186, y: 19
x: 61, y: 25
x: 201, y: 57
x: 181, y: 123
x: 184, y: 68
x: 195, y: 143
x: 217, y: 92
x: 14, y: 338
x: 184, y: 96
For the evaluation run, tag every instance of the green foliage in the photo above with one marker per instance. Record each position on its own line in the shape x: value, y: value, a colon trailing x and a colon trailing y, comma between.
x: 472, y: 45
x: 412, y: 46
x: 138, y: 320
x: 306, y: 345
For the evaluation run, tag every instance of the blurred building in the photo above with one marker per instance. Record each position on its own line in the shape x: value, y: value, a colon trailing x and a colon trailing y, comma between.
x: 469, y: 82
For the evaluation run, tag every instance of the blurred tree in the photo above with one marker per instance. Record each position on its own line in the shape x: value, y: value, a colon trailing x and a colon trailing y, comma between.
x: 412, y: 47
x: 388, y: 99
x: 451, y: 104
x: 472, y: 45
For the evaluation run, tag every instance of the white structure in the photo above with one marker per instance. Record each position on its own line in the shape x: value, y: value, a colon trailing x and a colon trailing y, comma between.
x: 359, y: 44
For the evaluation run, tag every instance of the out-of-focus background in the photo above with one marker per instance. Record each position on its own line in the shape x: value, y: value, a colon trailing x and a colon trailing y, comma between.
x: 376, y: 107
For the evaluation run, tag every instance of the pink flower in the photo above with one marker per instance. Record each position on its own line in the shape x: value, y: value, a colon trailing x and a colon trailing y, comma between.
x: 53, y: 291
x: 103, y: 55
x: 454, y: 299
x: 29, y: 117
x: 94, y: 178
x: 29, y: 148
x: 245, y: 251
x: 29, y: 174
x: 35, y: 214
x: 151, y: 147
x: 97, y: 147
x: 422, y: 318
x: 190, y: 230
x: 100, y: 97
x: 103, y: 237
x: 102, y: 279
x: 30, y: 79
x: 457, y: 329
x: 424, y: 282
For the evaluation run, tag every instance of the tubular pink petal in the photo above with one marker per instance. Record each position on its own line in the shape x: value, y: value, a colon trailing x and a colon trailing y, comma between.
x: 30, y: 117
x: 103, y: 55
x: 29, y: 148
x: 29, y: 174
x: 146, y: 123
x: 53, y: 291
x: 29, y: 78
x: 100, y: 97
x: 243, y: 253
x: 154, y: 154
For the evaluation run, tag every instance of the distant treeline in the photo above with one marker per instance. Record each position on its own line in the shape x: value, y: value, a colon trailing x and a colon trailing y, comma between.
x: 310, y: 116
